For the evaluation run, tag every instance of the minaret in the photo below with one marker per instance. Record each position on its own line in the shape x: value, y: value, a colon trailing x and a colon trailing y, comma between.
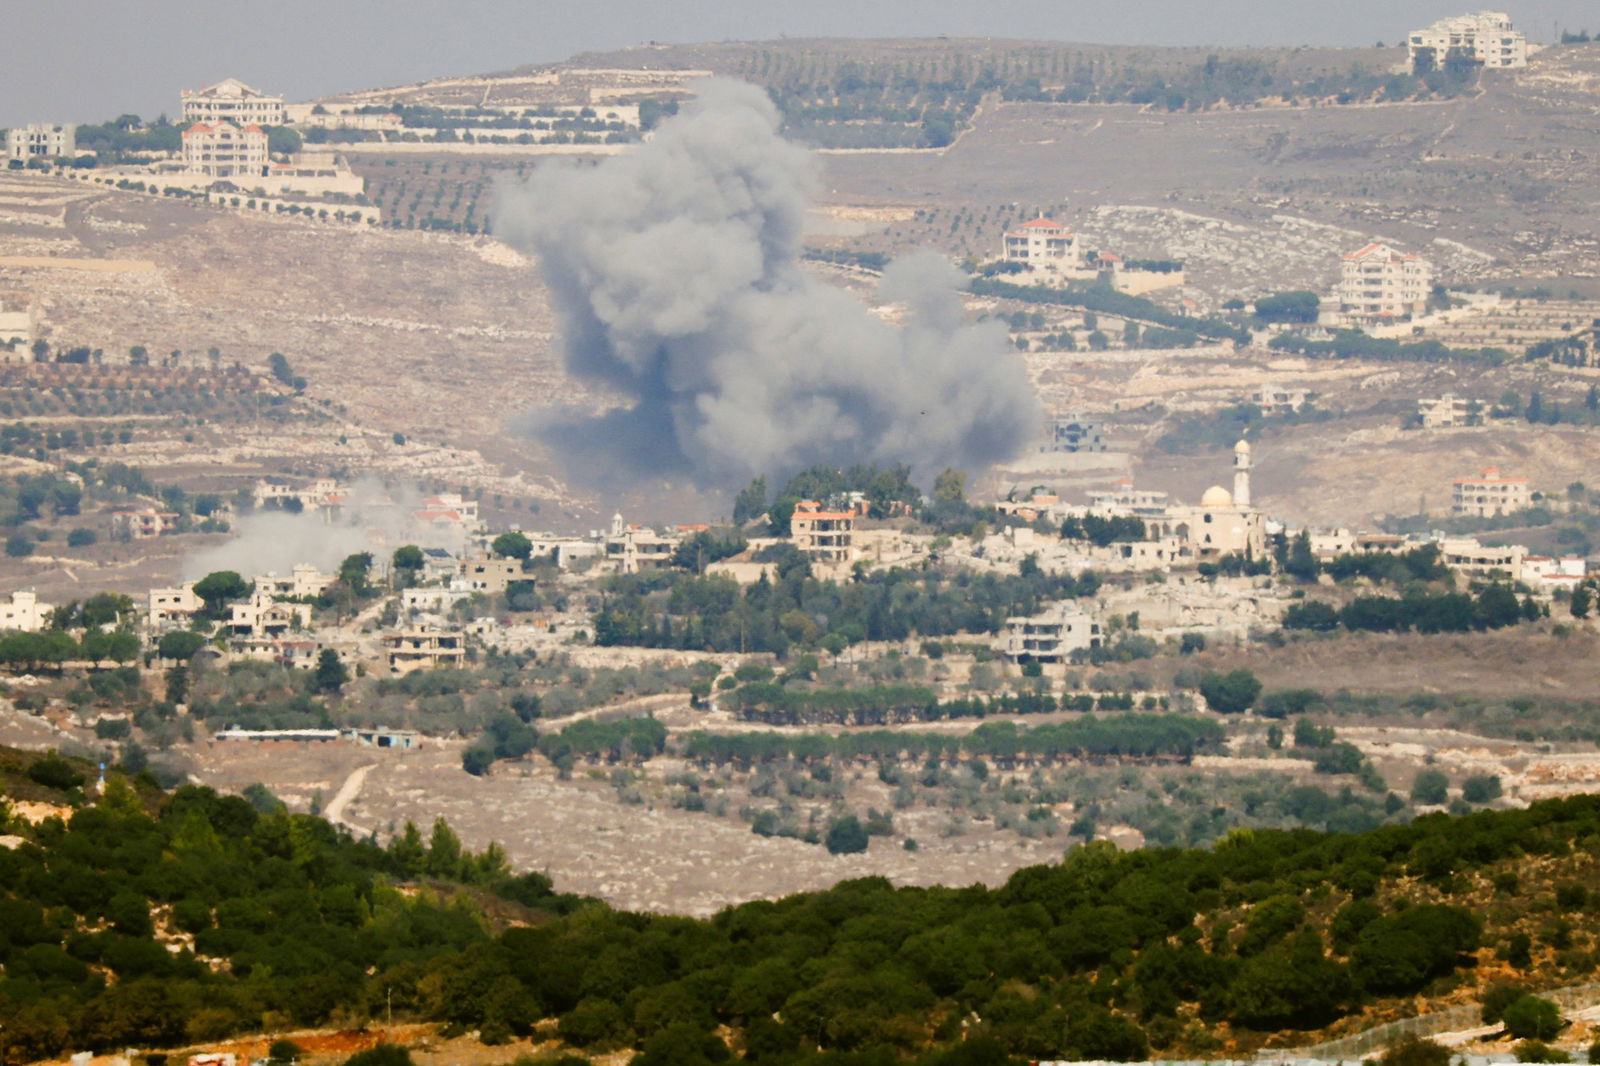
x: 1241, y: 474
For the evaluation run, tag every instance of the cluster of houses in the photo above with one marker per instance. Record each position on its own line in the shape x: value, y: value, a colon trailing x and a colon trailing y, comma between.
x: 1377, y: 284
x: 278, y: 620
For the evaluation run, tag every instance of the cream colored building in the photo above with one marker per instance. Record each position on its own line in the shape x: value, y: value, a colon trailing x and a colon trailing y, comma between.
x: 311, y: 173
x: 303, y: 582
x: 826, y: 536
x: 490, y: 574
x: 171, y: 608
x: 1448, y: 411
x: 19, y: 324
x: 1043, y: 245
x: 1223, y: 523
x: 231, y: 100
x: 1486, y: 38
x: 1491, y: 562
x: 221, y: 150
x: 1378, y: 282
x: 635, y: 548
x: 143, y: 523
x: 1124, y: 499
x: 1488, y: 495
x: 263, y: 616
x: 1050, y: 636
x: 40, y: 141
x: 24, y: 612
x: 423, y: 648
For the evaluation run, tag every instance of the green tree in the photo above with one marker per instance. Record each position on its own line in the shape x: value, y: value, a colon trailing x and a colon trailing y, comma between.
x: 512, y: 545
x: 216, y: 589
x: 284, y: 1052
x: 1295, y: 306
x: 1231, y: 692
x: 751, y: 503
x: 846, y: 836
x: 950, y: 487
x: 1582, y: 601
x: 330, y: 674
x: 281, y: 140
x: 355, y: 572
x: 1481, y: 788
x: 406, y: 563
x: 279, y: 365
x: 1301, y: 563
x: 444, y: 851
x: 1533, y: 1018
x: 1430, y: 788
x: 180, y: 644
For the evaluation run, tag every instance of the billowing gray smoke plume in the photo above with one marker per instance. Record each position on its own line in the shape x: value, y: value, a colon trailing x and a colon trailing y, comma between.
x: 675, y: 272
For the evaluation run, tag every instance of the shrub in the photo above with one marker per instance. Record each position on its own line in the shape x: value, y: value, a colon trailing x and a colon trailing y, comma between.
x: 284, y: 1051
x: 81, y: 537
x: 1532, y: 1018
x: 846, y: 836
x: 1230, y: 693
x: 1431, y: 788
x: 381, y: 1055
x: 1497, y: 999
x: 52, y: 771
x: 1538, y: 1051
x: 1413, y: 1050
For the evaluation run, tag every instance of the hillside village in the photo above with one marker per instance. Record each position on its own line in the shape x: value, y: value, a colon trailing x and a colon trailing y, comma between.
x: 1305, y: 534
x: 429, y: 580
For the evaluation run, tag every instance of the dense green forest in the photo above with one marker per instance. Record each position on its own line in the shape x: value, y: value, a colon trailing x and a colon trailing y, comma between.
x: 277, y: 920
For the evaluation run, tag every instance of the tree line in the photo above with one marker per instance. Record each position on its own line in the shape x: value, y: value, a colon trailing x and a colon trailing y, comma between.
x: 677, y: 610
x: 1007, y: 744
x: 775, y: 704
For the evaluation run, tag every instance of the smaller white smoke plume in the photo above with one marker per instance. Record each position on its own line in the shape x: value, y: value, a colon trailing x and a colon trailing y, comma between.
x: 675, y: 272
x: 378, y: 519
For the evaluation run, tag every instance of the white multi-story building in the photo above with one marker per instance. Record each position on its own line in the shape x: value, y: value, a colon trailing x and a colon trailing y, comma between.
x: 171, y: 608
x: 1488, y: 495
x: 1485, y: 38
x: 40, y: 141
x: 1379, y: 282
x: 24, y: 612
x: 231, y: 100
x: 1470, y: 559
x: 263, y: 616
x: 826, y: 536
x: 223, y: 150
x: 1448, y: 411
x: 1127, y: 500
x: 1050, y: 636
x: 19, y: 321
x: 303, y: 582
x: 1043, y: 244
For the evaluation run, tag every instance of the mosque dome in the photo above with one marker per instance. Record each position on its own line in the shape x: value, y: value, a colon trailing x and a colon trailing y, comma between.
x: 1242, y: 446
x: 1217, y: 496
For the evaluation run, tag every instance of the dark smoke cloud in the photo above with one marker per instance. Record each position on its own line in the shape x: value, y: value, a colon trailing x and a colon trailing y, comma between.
x: 675, y: 272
